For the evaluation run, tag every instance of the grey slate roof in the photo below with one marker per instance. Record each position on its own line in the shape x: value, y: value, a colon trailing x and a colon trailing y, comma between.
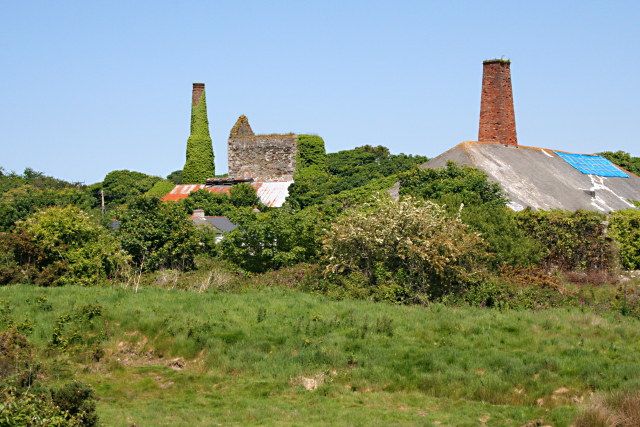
x: 221, y: 223
x: 538, y: 178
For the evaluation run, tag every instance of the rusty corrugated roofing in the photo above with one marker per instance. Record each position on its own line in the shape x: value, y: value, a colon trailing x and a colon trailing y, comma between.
x: 272, y: 194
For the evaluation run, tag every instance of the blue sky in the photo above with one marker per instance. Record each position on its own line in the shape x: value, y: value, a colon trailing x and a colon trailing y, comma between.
x: 89, y: 87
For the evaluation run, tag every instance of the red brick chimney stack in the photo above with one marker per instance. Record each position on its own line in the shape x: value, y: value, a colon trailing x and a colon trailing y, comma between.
x: 198, y: 88
x: 497, y: 118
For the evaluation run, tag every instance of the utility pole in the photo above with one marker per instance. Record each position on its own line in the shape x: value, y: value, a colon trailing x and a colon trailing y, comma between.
x: 102, y: 201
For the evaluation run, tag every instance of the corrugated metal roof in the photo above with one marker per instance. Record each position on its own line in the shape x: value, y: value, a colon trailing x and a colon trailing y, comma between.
x: 272, y: 194
x: 541, y: 179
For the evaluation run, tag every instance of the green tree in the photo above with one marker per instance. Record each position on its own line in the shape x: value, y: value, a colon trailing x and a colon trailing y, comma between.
x: 211, y: 203
x: 20, y: 202
x: 66, y: 246
x: 158, y: 235
x: 121, y: 186
x: 409, y: 244
x: 175, y: 177
x: 243, y: 195
x: 200, y: 162
x: 160, y: 188
x: 274, y: 239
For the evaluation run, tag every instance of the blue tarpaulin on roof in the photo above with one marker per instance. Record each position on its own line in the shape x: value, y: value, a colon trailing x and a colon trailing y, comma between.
x: 592, y: 165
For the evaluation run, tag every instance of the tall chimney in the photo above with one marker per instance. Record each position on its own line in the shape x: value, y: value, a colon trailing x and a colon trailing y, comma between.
x: 198, y: 89
x: 497, y: 118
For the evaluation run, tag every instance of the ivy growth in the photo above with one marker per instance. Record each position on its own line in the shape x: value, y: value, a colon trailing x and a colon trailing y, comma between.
x: 199, y: 164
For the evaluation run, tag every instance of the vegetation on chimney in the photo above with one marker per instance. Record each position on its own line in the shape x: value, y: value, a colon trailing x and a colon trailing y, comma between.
x: 501, y: 60
x: 199, y: 164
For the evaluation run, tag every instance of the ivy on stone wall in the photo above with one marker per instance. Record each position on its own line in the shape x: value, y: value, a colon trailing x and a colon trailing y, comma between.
x: 311, y: 177
x: 199, y: 164
x: 311, y: 152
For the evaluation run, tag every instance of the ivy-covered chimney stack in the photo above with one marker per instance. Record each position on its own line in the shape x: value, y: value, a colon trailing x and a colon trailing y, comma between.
x: 497, y: 117
x: 200, y: 161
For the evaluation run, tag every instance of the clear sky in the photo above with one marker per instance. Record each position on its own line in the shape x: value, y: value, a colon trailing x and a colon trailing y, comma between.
x: 91, y: 86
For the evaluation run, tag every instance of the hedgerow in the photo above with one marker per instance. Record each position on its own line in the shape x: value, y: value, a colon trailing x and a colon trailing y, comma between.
x: 624, y: 227
x: 571, y: 240
x: 199, y: 164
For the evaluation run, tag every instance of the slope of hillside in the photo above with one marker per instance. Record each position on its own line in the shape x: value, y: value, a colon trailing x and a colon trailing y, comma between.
x: 276, y: 356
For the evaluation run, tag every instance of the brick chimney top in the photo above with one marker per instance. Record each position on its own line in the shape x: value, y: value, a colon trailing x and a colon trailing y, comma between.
x: 198, y: 90
x: 497, y: 117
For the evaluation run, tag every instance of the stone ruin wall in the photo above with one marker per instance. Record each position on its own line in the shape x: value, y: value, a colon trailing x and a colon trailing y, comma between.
x: 261, y: 157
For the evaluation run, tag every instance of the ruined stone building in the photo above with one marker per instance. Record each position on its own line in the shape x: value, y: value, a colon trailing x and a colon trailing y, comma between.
x: 270, y: 157
x: 540, y: 178
x: 267, y: 162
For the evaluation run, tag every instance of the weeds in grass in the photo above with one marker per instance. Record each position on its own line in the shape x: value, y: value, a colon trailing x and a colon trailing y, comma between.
x: 620, y: 409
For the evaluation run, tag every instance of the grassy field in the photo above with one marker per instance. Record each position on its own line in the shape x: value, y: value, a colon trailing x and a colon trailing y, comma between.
x: 278, y: 356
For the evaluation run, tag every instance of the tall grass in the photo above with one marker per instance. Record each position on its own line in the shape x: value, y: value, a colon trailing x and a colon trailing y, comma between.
x: 247, y: 350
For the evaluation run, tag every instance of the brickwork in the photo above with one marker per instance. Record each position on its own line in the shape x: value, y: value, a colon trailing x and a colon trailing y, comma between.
x: 497, y: 117
x: 196, y: 94
x: 261, y: 157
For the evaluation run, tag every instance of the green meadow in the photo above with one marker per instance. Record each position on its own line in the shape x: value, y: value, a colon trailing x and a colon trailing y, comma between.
x: 275, y: 356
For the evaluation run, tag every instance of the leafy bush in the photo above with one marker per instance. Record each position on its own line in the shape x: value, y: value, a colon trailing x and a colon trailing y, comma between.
x: 311, y: 179
x: 20, y: 202
x: 311, y: 185
x: 34, y: 179
x: 624, y: 227
x: 160, y: 188
x: 311, y: 152
x: 211, y: 203
x: 121, y: 186
x: 515, y: 289
x: 17, y: 366
x: 506, y: 241
x: 359, y: 166
x: 243, y: 195
x: 274, y: 239
x: 570, y: 240
x: 27, y: 408
x: 158, y: 235
x: 78, y: 401
x: 452, y: 186
x: 481, y: 205
x: 175, y: 177
x: 66, y: 246
x: 408, y: 243
x: 199, y: 164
